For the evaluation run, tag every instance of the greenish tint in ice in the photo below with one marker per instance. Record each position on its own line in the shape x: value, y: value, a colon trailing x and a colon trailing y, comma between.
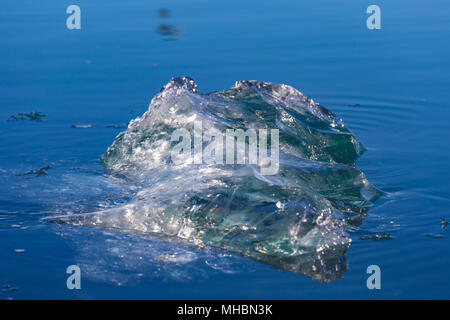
x: 295, y: 220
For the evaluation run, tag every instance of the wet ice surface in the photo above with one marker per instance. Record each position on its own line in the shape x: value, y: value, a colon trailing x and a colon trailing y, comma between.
x: 294, y: 219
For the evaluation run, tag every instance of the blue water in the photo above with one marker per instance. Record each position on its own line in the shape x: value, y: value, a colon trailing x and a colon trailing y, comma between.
x: 390, y: 86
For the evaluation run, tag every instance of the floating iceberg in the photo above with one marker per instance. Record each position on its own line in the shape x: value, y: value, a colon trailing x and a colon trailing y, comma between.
x: 294, y: 220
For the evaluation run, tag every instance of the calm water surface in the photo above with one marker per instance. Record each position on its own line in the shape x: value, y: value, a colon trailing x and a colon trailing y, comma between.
x: 391, y: 87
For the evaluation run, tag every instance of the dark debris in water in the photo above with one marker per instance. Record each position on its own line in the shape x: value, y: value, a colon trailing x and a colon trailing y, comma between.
x: 436, y: 236
x: 444, y: 224
x: 164, y: 13
x: 168, y: 31
x: 354, y: 105
x: 39, y: 172
x: 7, y: 289
x: 377, y: 236
x: 34, y: 116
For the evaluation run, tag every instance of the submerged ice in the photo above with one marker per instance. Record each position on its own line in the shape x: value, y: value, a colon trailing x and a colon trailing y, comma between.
x: 295, y: 219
